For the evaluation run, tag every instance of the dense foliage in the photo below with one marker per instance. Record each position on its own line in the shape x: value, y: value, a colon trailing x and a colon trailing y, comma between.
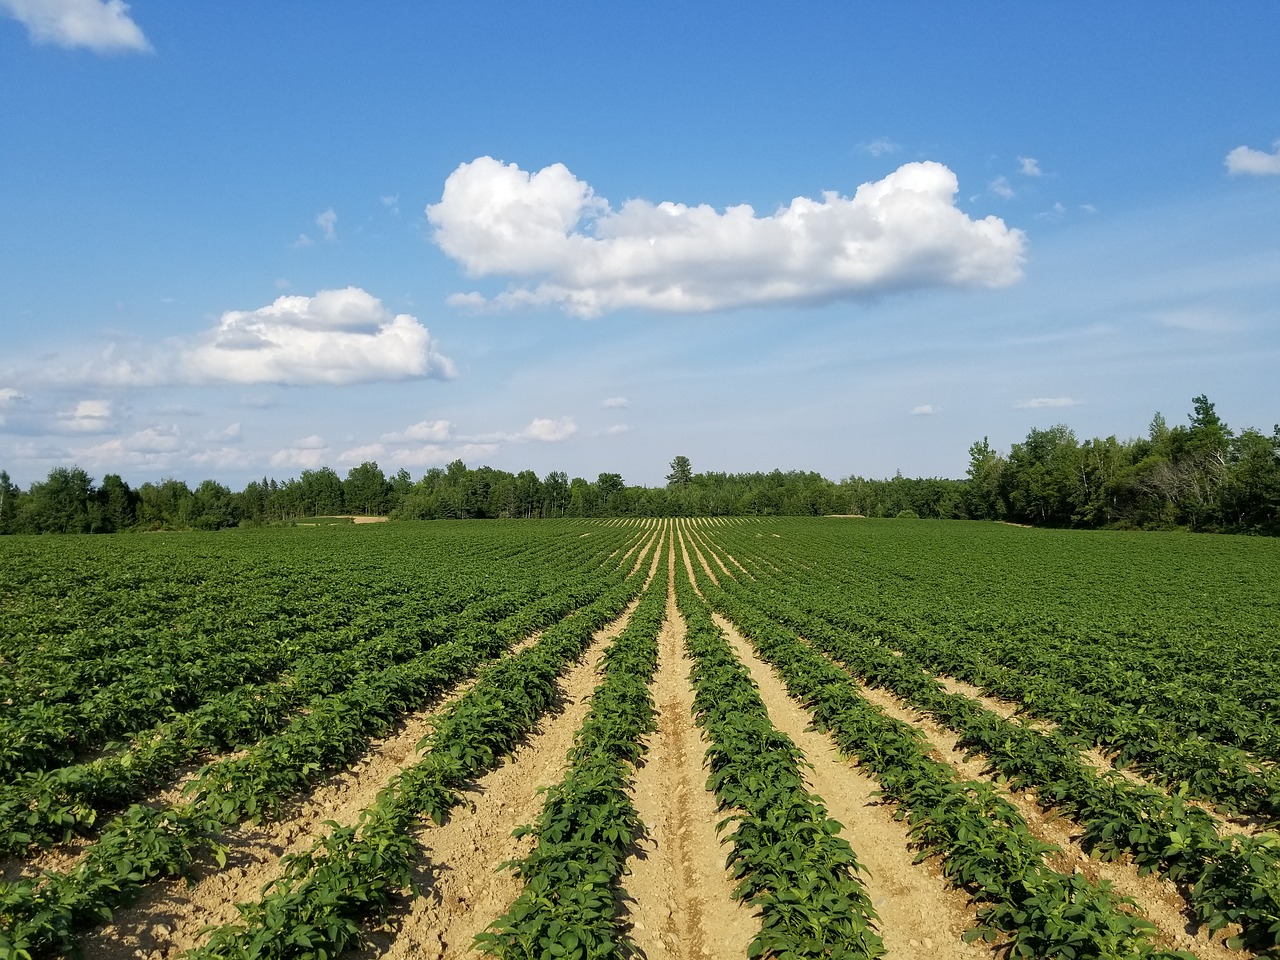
x: 1202, y: 476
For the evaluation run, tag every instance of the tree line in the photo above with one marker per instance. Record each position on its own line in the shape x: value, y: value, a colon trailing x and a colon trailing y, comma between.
x: 1199, y: 476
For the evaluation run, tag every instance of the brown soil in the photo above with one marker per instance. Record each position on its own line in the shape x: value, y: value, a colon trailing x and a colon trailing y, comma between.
x: 1158, y: 900
x: 679, y: 896
x: 921, y: 915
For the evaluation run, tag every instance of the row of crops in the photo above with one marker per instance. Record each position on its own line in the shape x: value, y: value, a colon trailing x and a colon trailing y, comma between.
x: 281, y: 654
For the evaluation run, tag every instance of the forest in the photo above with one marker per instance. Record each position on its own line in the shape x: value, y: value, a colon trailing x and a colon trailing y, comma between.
x: 1200, y: 476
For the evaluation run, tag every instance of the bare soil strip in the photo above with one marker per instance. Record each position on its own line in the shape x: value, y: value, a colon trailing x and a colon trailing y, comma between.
x: 466, y: 889
x: 679, y: 896
x: 170, y: 917
x: 1158, y: 899
x: 921, y: 915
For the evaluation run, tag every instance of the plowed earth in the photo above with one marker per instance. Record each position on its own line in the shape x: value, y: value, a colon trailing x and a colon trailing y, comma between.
x: 677, y: 900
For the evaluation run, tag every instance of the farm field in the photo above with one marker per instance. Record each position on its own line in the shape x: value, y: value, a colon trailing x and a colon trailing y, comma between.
x: 729, y: 738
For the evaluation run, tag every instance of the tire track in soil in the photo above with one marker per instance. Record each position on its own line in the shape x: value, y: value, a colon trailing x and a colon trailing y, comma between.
x: 1158, y: 899
x: 921, y: 915
x: 679, y: 898
x: 460, y: 866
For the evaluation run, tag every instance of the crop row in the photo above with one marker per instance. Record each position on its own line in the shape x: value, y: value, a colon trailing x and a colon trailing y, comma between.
x: 984, y: 844
x: 42, y: 916
x: 320, y: 903
x: 173, y: 674
x: 588, y: 825
x: 1230, y: 879
x: 1168, y: 748
x: 786, y: 853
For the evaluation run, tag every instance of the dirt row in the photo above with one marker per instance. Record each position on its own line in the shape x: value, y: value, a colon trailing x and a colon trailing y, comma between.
x: 677, y: 898
x: 1158, y: 900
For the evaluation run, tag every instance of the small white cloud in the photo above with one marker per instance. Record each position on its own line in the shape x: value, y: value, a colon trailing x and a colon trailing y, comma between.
x: 103, y: 26
x: 903, y: 232
x: 924, y: 410
x: 88, y: 416
x: 432, y: 454
x: 548, y: 431
x: 370, y: 451
x: 424, y: 431
x: 1258, y: 162
x: 1001, y: 188
x: 392, y: 203
x: 308, y: 453
x: 302, y: 241
x: 282, y: 283
x: 337, y: 337
x: 617, y: 430
x: 328, y: 223
x: 1040, y: 403
x: 231, y: 434
x: 881, y: 146
x: 1029, y: 167
x: 616, y: 403
x: 9, y: 397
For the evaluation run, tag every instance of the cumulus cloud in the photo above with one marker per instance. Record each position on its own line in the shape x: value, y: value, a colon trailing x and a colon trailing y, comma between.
x: 424, y: 431
x: 924, y: 410
x: 87, y: 416
x: 1029, y: 166
x: 10, y: 397
x: 1258, y: 162
x: 103, y: 26
x: 902, y: 232
x: 616, y: 403
x: 230, y: 434
x: 308, y: 453
x: 617, y: 430
x: 1042, y: 402
x: 337, y: 337
x: 548, y: 431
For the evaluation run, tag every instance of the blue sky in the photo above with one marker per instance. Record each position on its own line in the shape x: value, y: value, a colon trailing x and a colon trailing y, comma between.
x: 251, y: 239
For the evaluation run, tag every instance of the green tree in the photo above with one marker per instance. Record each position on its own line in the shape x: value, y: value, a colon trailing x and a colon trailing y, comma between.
x: 681, y: 474
x: 119, y: 504
x: 366, y: 489
x: 9, y: 494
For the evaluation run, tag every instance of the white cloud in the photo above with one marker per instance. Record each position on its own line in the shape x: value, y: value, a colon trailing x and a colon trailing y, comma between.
x: 617, y: 430
x: 328, y: 224
x: 337, y: 337
x: 432, y: 454
x: 1259, y: 162
x: 392, y: 203
x: 88, y: 416
x: 615, y: 403
x: 1001, y: 188
x: 370, y: 451
x: 881, y: 146
x: 1029, y: 166
x: 548, y: 431
x: 924, y: 410
x: 308, y: 453
x: 899, y: 233
x: 9, y: 397
x: 103, y: 26
x: 425, y: 431
x: 302, y: 241
x: 1042, y: 402
x: 231, y: 434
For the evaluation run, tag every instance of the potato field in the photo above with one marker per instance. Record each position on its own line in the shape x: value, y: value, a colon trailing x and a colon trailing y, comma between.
x: 835, y: 738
